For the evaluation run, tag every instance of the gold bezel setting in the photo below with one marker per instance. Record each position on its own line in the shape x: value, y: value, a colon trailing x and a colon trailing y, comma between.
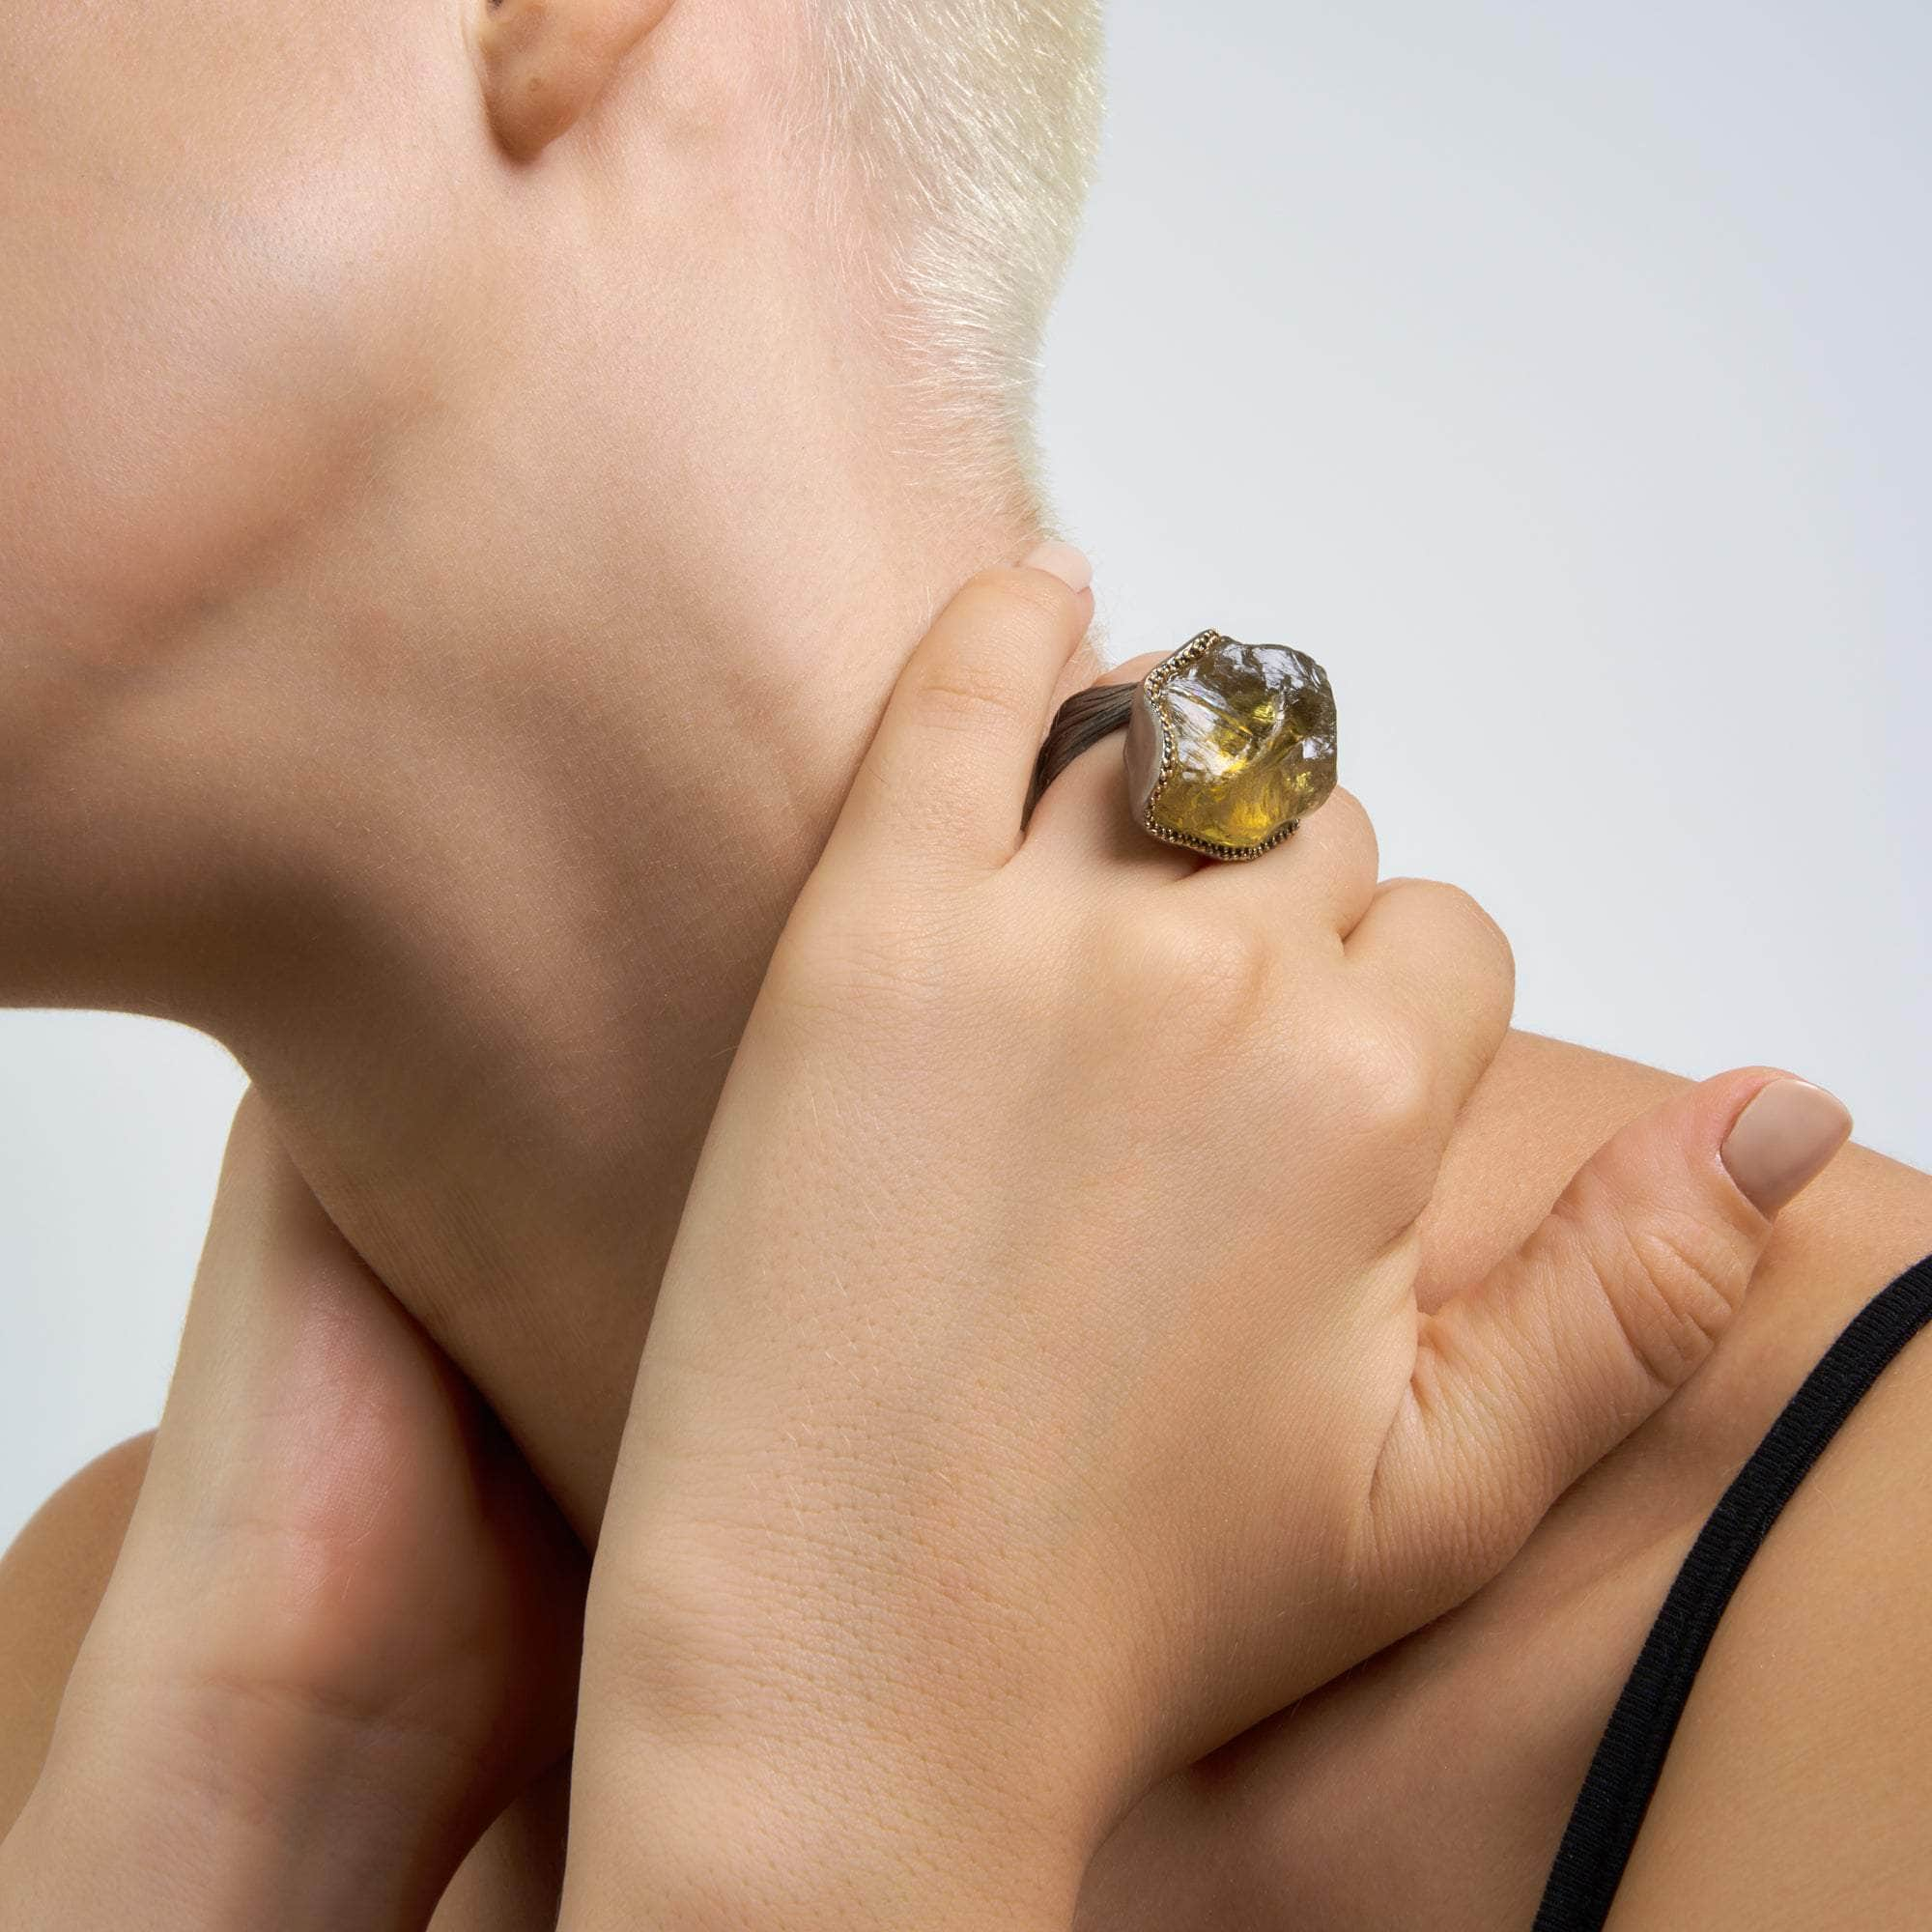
x: 1152, y: 693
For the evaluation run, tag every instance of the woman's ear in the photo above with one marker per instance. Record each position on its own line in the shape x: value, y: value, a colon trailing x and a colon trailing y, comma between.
x: 545, y: 62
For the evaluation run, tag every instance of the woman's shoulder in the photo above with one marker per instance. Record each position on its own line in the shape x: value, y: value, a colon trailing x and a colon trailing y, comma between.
x: 1794, y: 1791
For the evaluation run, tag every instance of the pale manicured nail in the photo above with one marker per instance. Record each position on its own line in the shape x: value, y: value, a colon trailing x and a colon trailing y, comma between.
x: 1061, y: 560
x: 1783, y: 1140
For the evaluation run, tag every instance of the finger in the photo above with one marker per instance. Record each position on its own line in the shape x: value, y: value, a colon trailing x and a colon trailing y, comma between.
x: 1084, y: 821
x: 1323, y: 878
x: 1445, y: 969
x: 1522, y: 1383
x: 946, y: 776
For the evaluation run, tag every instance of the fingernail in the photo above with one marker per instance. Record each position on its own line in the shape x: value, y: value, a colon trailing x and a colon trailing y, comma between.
x: 1061, y: 560
x: 1783, y: 1140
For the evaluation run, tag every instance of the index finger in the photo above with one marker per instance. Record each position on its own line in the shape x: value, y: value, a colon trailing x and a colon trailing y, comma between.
x: 947, y: 772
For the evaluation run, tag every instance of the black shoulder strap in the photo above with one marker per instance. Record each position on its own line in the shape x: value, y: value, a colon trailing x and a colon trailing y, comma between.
x: 1624, y: 1772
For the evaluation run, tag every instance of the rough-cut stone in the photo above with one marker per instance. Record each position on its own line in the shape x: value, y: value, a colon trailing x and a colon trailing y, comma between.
x: 1237, y: 744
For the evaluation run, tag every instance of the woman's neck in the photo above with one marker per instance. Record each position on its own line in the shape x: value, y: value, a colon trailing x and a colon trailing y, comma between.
x: 489, y: 930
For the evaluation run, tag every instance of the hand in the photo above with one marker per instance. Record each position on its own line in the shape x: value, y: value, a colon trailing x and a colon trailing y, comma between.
x: 343, y: 1629
x: 1038, y: 1395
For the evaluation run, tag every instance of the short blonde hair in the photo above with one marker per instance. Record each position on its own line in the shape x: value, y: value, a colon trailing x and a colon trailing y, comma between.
x: 971, y: 129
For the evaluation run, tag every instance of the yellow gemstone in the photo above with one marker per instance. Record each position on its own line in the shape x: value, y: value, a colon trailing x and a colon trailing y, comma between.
x: 1249, y: 733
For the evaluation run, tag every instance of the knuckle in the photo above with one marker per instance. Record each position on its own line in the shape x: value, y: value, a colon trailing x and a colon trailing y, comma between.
x: 1470, y: 912
x: 1489, y: 941
x: 1344, y: 808
x: 1340, y: 842
x: 1386, y: 1075
x: 1371, y: 1085
x: 960, y: 695
x: 1673, y: 1282
x: 1453, y: 910
x: 1345, y: 829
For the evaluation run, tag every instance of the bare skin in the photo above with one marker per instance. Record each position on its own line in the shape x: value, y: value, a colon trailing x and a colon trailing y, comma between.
x: 340, y: 1632
x: 51, y: 1582
x: 1339, y: 1816
x: 397, y: 761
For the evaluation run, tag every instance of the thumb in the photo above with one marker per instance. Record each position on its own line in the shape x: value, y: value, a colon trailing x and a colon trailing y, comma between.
x: 1529, y: 1379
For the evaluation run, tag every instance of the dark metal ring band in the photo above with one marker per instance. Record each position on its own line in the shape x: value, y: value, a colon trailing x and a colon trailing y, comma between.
x: 1078, y: 725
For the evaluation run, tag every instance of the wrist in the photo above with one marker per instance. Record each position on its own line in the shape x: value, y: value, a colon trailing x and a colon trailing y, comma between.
x: 874, y: 1850
x: 751, y: 1781
x: 243, y: 1811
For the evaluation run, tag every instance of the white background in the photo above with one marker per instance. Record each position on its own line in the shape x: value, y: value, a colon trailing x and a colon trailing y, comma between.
x: 1558, y: 375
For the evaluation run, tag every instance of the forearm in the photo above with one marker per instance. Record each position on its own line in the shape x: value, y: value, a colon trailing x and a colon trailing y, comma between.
x: 176, y: 1824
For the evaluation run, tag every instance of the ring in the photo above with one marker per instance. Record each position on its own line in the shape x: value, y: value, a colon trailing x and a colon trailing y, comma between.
x: 1230, y: 745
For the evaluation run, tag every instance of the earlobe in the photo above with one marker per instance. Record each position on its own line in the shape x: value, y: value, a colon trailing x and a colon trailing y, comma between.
x: 546, y: 61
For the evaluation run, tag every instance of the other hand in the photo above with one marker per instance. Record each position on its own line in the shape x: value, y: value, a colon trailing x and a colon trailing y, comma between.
x: 342, y: 1632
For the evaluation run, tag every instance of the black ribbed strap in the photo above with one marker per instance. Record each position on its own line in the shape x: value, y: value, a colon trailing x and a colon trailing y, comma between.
x: 1624, y: 1772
